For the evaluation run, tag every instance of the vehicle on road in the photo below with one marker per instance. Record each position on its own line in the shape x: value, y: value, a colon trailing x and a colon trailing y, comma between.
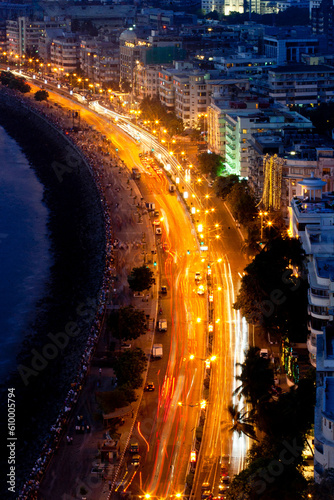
x: 200, y: 290
x: 134, y: 447
x: 163, y: 290
x: 158, y: 231
x: 150, y: 206
x: 198, y: 276
x: 224, y: 484
x: 162, y: 325
x: 135, y: 460
x: 157, y: 351
x: 149, y: 387
x: 264, y: 353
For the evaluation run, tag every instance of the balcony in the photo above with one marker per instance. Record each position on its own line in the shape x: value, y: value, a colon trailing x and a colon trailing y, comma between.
x: 318, y: 446
x: 230, y: 127
x: 231, y: 156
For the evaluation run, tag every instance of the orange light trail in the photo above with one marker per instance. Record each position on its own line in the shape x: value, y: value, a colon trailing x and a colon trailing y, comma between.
x: 141, y: 435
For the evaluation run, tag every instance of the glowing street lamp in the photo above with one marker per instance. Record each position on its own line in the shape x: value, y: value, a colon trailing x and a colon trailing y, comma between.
x: 262, y: 214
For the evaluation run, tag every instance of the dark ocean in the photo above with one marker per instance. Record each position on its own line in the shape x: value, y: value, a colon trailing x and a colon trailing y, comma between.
x: 24, y: 249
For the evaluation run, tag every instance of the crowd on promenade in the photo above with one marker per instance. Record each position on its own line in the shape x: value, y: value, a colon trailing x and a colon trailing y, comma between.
x: 92, y: 158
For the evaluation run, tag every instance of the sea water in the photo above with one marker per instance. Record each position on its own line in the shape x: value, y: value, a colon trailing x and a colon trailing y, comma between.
x: 24, y: 249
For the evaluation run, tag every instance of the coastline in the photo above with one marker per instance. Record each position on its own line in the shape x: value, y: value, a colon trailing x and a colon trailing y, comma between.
x: 76, y: 229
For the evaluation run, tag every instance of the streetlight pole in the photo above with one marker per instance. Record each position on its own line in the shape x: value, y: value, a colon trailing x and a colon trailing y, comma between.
x: 262, y: 214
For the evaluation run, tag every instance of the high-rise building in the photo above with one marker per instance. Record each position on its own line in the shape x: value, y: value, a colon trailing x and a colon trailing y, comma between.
x: 322, y: 20
x: 213, y: 5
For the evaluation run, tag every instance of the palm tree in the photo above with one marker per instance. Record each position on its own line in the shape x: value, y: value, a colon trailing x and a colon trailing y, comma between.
x: 242, y: 421
x: 256, y: 378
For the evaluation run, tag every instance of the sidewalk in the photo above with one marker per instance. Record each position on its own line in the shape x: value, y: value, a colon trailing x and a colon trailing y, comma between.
x: 74, y: 471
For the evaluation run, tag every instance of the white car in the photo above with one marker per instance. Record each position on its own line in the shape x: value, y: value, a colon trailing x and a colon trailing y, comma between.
x: 158, y: 230
x: 200, y: 290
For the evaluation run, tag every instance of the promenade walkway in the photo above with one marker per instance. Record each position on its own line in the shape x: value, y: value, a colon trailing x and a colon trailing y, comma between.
x: 74, y: 471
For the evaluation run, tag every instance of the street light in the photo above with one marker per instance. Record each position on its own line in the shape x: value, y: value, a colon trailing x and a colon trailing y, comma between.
x: 262, y: 214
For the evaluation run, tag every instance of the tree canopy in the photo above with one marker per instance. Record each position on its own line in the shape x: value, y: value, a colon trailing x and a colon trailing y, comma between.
x: 256, y: 377
x: 274, y: 464
x: 14, y: 82
x: 210, y: 164
x: 141, y: 278
x: 224, y: 184
x: 242, y: 202
x: 153, y: 111
x: 41, y: 95
x: 129, y: 367
x: 270, y: 294
x: 242, y: 421
x: 127, y: 323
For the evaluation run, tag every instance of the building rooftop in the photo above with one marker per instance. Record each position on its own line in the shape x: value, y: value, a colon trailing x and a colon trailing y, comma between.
x: 317, y: 205
x: 301, y: 68
x: 325, y: 266
x: 319, y: 240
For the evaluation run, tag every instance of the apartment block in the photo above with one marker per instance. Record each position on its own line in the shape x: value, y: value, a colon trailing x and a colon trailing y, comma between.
x: 301, y: 84
x: 99, y: 60
x: 146, y: 81
x: 312, y: 220
x: 324, y: 407
x: 301, y: 155
x: 241, y: 124
x: 287, y: 45
x: 243, y: 64
x: 65, y: 52
x: 23, y: 34
x: 211, y: 5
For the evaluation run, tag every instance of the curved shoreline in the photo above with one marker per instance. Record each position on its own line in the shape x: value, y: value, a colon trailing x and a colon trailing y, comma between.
x: 77, y: 231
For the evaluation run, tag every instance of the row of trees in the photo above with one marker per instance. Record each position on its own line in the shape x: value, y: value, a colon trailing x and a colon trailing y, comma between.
x: 153, y: 110
x: 210, y: 164
x: 128, y: 368
x: 279, y: 424
x: 271, y: 295
x: 127, y: 323
x: 14, y: 82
